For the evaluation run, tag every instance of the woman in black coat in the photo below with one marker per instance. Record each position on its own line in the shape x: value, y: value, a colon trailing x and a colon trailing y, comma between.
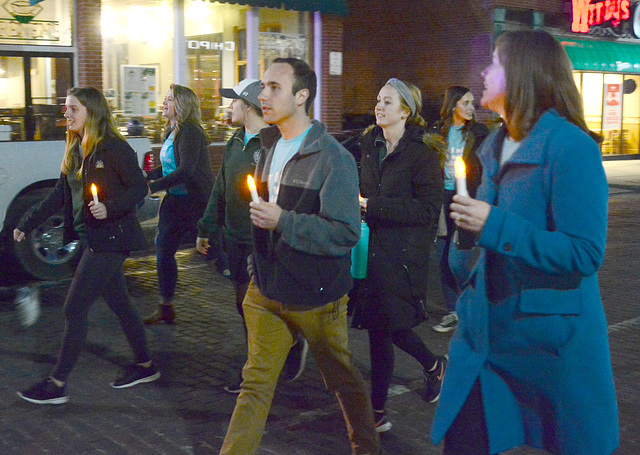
x: 401, y: 186
x: 185, y: 173
x: 96, y: 154
x: 463, y: 136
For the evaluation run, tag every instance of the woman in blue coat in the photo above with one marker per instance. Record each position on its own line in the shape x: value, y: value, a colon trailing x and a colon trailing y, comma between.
x: 530, y: 363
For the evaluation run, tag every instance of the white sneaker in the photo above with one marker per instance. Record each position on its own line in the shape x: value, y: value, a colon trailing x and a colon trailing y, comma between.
x: 28, y: 305
x: 449, y: 322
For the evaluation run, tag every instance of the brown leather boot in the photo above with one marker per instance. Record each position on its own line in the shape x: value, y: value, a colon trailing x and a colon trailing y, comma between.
x: 164, y: 313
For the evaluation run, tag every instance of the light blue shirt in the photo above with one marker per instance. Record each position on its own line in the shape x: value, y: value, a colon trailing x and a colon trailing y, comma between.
x: 248, y: 137
x: 509, y: 147
x: 168, y: 161
x: 284, y: 151
x: 455, y: 148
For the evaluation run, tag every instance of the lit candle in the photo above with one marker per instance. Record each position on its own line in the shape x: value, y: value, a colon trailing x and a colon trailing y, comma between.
x: 252, y: 188
x: 461, y: 177
x: 94, y: 191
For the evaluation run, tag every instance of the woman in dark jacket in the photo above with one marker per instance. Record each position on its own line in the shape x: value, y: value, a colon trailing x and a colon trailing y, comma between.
x: 401, y: 186
x: 185, y: 173
x: 463, y: 136
x: 96, y: 154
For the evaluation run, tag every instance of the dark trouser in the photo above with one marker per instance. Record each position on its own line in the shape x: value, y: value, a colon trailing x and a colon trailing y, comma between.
x: 98, y: 274
x: 382, y: 359
x: 178, y: 214
x: 468, y: 434
x: 450, y: 288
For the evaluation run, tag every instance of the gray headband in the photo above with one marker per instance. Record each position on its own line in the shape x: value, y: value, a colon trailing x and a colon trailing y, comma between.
x: 404, y: 92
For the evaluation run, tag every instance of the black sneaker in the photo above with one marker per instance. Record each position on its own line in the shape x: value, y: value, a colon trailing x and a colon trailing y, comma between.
x: 235, y: 386
x: 134, y: 375
x: 45, y: 392
x: 296, y: 360
x: 382, y: 424
x: 433, y: 380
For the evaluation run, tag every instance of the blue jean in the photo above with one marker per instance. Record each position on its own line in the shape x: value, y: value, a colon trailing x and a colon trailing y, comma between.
x: 450, y: 288
x: 98, y: 274
x: 178, y: 215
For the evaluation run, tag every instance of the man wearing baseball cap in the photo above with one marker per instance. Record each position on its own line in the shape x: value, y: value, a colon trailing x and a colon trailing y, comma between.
x: 230, y: 199
x: 247, y: 90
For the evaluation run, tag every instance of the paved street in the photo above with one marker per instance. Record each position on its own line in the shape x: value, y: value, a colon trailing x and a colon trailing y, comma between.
x: 187, y: 410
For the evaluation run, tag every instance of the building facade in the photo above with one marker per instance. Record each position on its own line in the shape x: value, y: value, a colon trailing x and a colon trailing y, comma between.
x: 135, y: 49
x: 435, y: 44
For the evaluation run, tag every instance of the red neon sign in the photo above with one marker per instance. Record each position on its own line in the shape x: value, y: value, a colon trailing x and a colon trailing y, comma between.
x: 585, y: 14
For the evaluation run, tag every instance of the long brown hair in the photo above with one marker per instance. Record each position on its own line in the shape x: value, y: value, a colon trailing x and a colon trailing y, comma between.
x: 539, y: 78
x: 98, y: 125
x: 451, y: 98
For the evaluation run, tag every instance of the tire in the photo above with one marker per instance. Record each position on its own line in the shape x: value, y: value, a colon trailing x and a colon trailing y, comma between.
x: 43, y: 254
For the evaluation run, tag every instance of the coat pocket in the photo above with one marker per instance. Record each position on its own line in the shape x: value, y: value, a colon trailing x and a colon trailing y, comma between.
x: 122, y: 235
x: 551, y: 301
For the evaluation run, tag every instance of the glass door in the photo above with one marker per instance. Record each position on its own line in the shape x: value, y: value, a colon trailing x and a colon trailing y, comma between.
x: 32, y: 93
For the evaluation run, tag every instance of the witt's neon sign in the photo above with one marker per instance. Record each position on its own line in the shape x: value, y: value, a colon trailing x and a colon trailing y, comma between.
x: 585, y: 14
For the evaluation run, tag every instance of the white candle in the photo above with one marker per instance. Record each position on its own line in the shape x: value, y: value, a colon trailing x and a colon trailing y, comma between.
x: 461, y: 177
x: 94, y: 191
x: 252, y: 188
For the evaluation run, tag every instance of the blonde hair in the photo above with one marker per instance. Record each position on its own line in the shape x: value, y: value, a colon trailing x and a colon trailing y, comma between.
x: 414, y: 115
x: 98, y: 125
x: 187, y: 108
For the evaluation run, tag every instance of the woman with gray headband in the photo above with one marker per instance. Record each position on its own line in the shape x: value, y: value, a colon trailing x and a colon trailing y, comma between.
x: 401, y: 185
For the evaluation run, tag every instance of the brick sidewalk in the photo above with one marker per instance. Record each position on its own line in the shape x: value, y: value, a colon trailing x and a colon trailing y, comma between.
x: 187, y: 410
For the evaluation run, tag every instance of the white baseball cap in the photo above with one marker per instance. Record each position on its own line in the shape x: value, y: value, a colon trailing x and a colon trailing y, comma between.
x: 247, y: 90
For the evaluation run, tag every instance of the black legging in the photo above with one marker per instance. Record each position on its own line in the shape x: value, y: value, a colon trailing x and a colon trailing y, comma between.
x: 98, y: 274
x: 382, y: 359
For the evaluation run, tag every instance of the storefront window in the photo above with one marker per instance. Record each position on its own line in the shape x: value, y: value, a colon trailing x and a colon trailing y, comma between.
x: 283, y: 34
x: 212, y: 33
x: 32, y: 93
x: 45, y: 23
x: 139, y: 59
x: 137, y: 52
x: 612, y: 109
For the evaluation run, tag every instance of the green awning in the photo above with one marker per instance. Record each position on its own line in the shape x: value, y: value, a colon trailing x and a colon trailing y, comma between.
x: 605, y: 56
x: 336, y: 7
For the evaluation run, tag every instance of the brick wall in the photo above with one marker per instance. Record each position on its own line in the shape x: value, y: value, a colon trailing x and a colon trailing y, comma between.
x: 89, y: 43
x: 429, y: 43
x: 332, y: 105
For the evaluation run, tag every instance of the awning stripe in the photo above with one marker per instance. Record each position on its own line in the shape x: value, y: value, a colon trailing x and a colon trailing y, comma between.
x: 336, y: 7
x: 605, y: 56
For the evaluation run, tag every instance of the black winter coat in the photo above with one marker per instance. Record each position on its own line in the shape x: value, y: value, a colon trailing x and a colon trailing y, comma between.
x: 404, y: 199
x: 113, y: 167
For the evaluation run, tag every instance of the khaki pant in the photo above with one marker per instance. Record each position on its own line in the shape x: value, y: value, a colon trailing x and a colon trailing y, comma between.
x: 271, y: 328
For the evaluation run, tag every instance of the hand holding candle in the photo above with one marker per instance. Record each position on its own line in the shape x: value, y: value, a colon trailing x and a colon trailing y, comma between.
x: 252, y: 188
x: 94, y: 191
x: 461, y: 177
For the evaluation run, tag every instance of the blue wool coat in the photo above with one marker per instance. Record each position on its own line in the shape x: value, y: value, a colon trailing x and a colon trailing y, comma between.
x: 532, y: 328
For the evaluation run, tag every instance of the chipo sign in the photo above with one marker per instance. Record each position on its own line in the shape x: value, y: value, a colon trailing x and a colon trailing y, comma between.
x: 586, y: 13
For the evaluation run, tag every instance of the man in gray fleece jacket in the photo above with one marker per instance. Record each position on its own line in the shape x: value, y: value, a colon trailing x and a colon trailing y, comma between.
x: 304, y: 226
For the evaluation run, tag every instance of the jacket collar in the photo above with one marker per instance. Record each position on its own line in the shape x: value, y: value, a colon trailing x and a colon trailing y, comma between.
x: 375, y: 136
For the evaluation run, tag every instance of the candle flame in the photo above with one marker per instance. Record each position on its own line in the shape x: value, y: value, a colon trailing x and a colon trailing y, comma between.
x: 360, y: 197
x: 94, y: 190
x: 251, y: 183
x: 459, y: 167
